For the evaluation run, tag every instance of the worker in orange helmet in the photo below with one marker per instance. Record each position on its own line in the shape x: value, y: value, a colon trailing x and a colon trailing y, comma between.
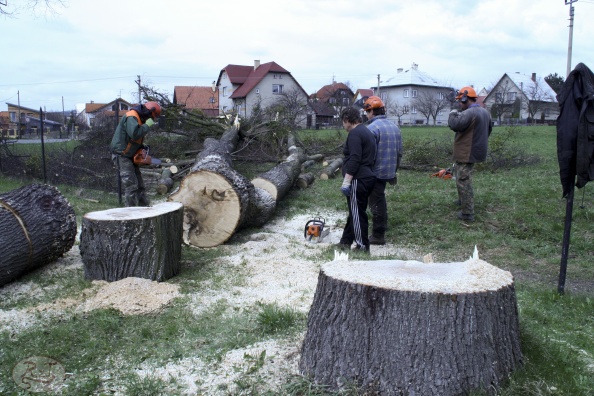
x: 472, y: 125
x: 127, y: 140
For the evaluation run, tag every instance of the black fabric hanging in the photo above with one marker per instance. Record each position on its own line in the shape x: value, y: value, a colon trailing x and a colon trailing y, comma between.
x: 575, y: 129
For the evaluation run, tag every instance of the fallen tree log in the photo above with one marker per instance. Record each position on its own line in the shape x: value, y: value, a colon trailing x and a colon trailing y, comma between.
x: 405, y: 327
x: 142, y: 242
x: 305, y: 180
x: 37, y: 226
x: 217, y: 199
x: 165, y: 183
x: 331, y: 170
x: 279, y: 180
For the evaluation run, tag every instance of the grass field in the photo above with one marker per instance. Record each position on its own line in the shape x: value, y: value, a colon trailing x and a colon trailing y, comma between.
x: 519, y: 215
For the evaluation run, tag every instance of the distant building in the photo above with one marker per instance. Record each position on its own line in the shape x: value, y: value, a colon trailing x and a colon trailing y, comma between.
x: 327, y: 104
x: 96, y: 114
x: 204, y: 99
x: 20, y: 121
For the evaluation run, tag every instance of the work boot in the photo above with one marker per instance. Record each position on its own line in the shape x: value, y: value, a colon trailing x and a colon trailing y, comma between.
x: 362, y: 248
x: 376, y: 240
x: 465, y: 217
x: 342, y: 246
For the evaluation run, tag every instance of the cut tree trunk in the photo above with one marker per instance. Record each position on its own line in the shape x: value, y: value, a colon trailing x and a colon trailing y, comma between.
x: 217, y: 199
x: 331, y: 170
x: 37, y: 226
x: 305, y: 180
x: 279, y: 180
x: 165, y: 183
x: 405, y: 327
x: 142, y: 242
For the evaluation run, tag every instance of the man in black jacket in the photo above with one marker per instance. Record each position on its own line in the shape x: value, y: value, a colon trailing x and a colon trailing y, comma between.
x: 359, y: 156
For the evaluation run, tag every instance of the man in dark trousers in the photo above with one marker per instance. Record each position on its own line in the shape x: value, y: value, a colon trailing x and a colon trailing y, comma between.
x: 357, y: 169
x: 127, y: 139
x: 472, y: 126
x: 389, y: 151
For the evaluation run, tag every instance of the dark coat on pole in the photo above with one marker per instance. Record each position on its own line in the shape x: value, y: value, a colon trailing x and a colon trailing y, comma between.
x: 575, y: 129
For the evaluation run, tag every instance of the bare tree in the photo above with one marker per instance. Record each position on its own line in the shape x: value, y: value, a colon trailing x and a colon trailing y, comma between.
x: 13, y: 7
x: 504, y: 101
x: 395, y: 109
x: 431, y: 103
x: 538, y: 99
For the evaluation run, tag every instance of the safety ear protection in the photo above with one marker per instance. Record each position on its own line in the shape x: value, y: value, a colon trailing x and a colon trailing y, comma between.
x: 464, y: 96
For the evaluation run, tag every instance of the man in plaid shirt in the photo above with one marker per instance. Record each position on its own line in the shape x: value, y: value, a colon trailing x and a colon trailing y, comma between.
x: 388, y: 154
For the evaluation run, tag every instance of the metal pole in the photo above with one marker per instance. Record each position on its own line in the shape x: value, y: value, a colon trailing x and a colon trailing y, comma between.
x: 566, y: 235
x: 42, y: 146
x: 569, y: 47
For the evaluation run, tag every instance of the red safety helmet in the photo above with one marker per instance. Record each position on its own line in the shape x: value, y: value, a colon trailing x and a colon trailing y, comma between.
x: 464, y: 93
x: 373, y: 102
x: 154, y: 108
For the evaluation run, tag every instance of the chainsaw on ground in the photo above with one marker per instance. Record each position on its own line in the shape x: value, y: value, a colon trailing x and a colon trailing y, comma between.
x: 314, y: 228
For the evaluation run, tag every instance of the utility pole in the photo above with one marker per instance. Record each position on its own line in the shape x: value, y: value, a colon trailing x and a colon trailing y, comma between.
x: 138, y: 82
x: 569, y: 47
x: 378, y: 85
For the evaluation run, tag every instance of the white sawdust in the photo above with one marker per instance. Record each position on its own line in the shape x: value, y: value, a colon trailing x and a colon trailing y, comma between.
x: 281, y: 267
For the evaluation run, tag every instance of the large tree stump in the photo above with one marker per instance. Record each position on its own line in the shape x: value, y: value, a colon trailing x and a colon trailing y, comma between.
x: 142, y: 242
x: 405, y: 327
x: 37, y: 226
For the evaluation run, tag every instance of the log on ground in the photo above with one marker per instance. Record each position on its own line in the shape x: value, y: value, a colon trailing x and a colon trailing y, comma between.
x: 331, y: 170
x: 305, y: 180
x: 142, y: 242
x: 405, y: 327
x: 37, y: 226
x: 280, y: 179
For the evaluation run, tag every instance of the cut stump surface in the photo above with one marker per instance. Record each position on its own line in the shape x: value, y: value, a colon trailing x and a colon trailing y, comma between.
x: 406, y: 327
x: 143, y: 242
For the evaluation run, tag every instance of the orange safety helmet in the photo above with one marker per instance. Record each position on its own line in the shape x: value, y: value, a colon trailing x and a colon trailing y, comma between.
x: 373, y: 102
x: 464, y: 93
x: 154, y: 108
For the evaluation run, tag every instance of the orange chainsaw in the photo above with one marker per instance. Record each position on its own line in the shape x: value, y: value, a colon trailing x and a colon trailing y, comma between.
x: 314, y: 228
x: 142, y: 157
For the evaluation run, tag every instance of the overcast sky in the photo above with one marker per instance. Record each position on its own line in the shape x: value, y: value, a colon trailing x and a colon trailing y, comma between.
x: 94, y: 50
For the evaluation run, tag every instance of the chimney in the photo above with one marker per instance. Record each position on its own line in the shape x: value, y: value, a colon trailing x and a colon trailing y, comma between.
x: 256, y: 64
x: 399, y: 70
x: 534, y: 77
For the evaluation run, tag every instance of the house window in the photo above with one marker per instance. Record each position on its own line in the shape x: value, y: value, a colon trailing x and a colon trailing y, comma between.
x: 414, y: 93
x: 332, y: 100
x: 211, y: 99
x: 511, y: 96
x: 257, y: 91
x: 224, y: 91
x: 277, y: 89
x: 413, y: 110
x: 13, y: 116
x: 441, y: 96
x: 405, y: 109
x: 406, y: 93
x: 345, y: 101
x: 498, y: 96
x: 383, y: 96
x: 124, y: 106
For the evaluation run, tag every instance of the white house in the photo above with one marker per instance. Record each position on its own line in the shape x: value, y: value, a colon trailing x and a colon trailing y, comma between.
x: 414, y: 97
x: 241, y: 88
x: 521, y: 98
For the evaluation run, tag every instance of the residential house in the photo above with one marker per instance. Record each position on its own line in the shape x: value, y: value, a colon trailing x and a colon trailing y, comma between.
x: 204, y: 99
x: 25, y: 122
x: 414, y: 97
x: 519, y: 98
x: 327, y: 104
x: 96, y: 114
x: 244, y: 88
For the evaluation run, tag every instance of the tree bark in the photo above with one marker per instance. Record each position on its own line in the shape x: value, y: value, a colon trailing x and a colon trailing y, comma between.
x: 143, y: 242
x: 279, y: 180
x: 405, y: 327
x: 37, y: 226
x: 305, y: 180
x: 330, y: 171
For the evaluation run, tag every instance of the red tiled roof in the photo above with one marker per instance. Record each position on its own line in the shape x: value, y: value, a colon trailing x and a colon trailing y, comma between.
x: 196, y: 98
x: 253, y: 78
x: 328, y: 91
